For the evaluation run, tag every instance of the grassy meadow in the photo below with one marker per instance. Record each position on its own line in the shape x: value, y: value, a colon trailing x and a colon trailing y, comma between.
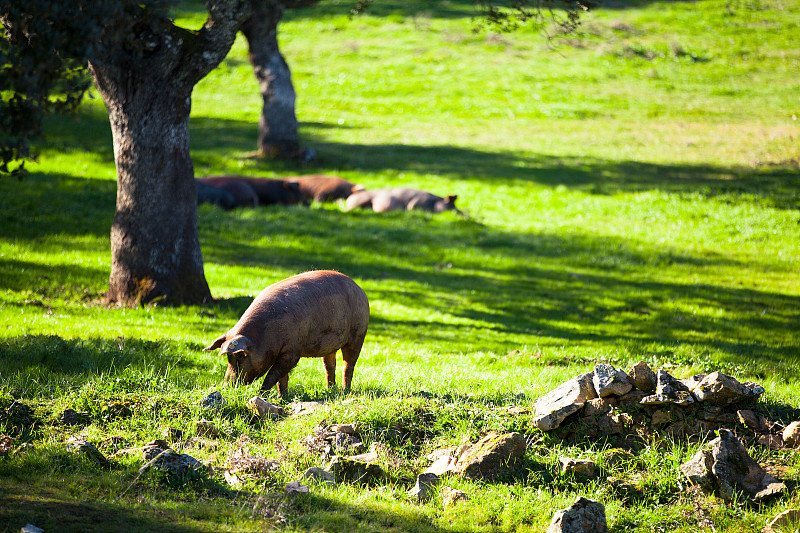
x: 632, y: 193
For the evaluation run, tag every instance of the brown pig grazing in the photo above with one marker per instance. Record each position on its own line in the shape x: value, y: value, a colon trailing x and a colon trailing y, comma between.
x: 309, y: 315
x: 321, y: 188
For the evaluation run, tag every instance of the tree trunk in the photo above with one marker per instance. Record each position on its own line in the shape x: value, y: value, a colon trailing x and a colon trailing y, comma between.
x: 277, y: 127
x: 146, y: 82
x: 155, y: 249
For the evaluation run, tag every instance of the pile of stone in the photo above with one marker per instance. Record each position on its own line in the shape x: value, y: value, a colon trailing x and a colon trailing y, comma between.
x: 610, y: 401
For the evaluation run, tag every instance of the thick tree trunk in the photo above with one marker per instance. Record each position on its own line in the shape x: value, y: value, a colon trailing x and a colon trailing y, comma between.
x: 277, y: 127
x: 155, y: 249
x: 146, y: 80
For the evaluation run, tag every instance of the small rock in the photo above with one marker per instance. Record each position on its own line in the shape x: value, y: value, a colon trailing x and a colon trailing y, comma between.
x: 660, y: 417
x: 202, y: 443
x: 442, y: 452
x: 232, y: 479
x: 345, y: 469
x: 598, y: 406
x: 6, y: 444
x: 451, y: 496
x: 264, y: 409
x: 169, y: 460
x: 666, y: 385
x: 492, y: 457
x: 614, y: 423
x: 786, y: 521
x: 304, y: 408
x: 680, y: 398
x: 577, y: 467
x: 30, y: 528
x: 754, y: 388
x: 69, y: 417
x: 158, y: 443
x: 294, y: 487
x: 714, y: 413
x: 370, y: 457
x: 90, y: 450
x: 791, y: 435
x: 116, y: 442
x: 441, y: 466
x: 749, y: 419
x: 698, y: 470
x: 634, y: 397
x: 172, y: 434
x: 608, y: 380
x: 773, y: 442
x: 320, y: 475
x: 669, y: 390
x: 425, y: 486
x: 213, y: 401
x: 564, y: 400
x: 207, y: 428
x: 643, y: 377
x: 615, y: 457
x: 347, y: 429
x: 691, y: 382
x: 583, y: 516
x: 719, y: 389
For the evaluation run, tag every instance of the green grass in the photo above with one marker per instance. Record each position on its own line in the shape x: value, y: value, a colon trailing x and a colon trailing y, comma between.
x: 632, y: 193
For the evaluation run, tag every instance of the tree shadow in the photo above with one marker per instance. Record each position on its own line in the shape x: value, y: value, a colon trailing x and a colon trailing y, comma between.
x: 53, y: 510
x: 774, y: 186
x: 536, y: 293
x: 49, y: 360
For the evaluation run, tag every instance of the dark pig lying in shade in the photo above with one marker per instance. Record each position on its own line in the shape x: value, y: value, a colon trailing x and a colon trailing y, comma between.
x: 314, y: 314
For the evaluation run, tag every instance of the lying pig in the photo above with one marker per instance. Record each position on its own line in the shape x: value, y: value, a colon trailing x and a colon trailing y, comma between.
x: 309, y: 315
x: 266, y: 191
x: 382, y: 200
x: 243, y: 194
x: 276, y: 191
x: 322, y: 188
x: 208, y: 194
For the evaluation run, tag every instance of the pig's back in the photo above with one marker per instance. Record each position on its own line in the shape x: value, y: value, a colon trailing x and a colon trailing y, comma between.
x: 317, y: 303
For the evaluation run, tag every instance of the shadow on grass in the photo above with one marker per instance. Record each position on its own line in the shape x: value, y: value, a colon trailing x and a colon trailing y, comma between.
x: 43, y: 361
x: 318, y: 512
x: 778, y: 187
x: 49, y: 281
x: 53, y: 510
x: 479, y: 288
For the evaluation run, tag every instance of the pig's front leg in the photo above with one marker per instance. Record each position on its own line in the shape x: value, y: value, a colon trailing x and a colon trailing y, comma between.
x: 280, y: 373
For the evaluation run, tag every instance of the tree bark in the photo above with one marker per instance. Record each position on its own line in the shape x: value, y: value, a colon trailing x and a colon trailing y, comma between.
x: 146, y: 82
x: 277, y: 126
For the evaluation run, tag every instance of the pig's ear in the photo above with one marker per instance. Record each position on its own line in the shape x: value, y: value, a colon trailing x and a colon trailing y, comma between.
x: 240, y: 345
x: 216, y: 344
x: 451, y: 199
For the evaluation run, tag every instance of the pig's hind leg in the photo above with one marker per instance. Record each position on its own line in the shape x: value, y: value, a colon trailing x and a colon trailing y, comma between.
x: 350, y: 353
x: 330, y: 369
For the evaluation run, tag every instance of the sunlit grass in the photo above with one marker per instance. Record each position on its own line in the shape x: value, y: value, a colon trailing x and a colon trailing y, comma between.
x: 631, y: 193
